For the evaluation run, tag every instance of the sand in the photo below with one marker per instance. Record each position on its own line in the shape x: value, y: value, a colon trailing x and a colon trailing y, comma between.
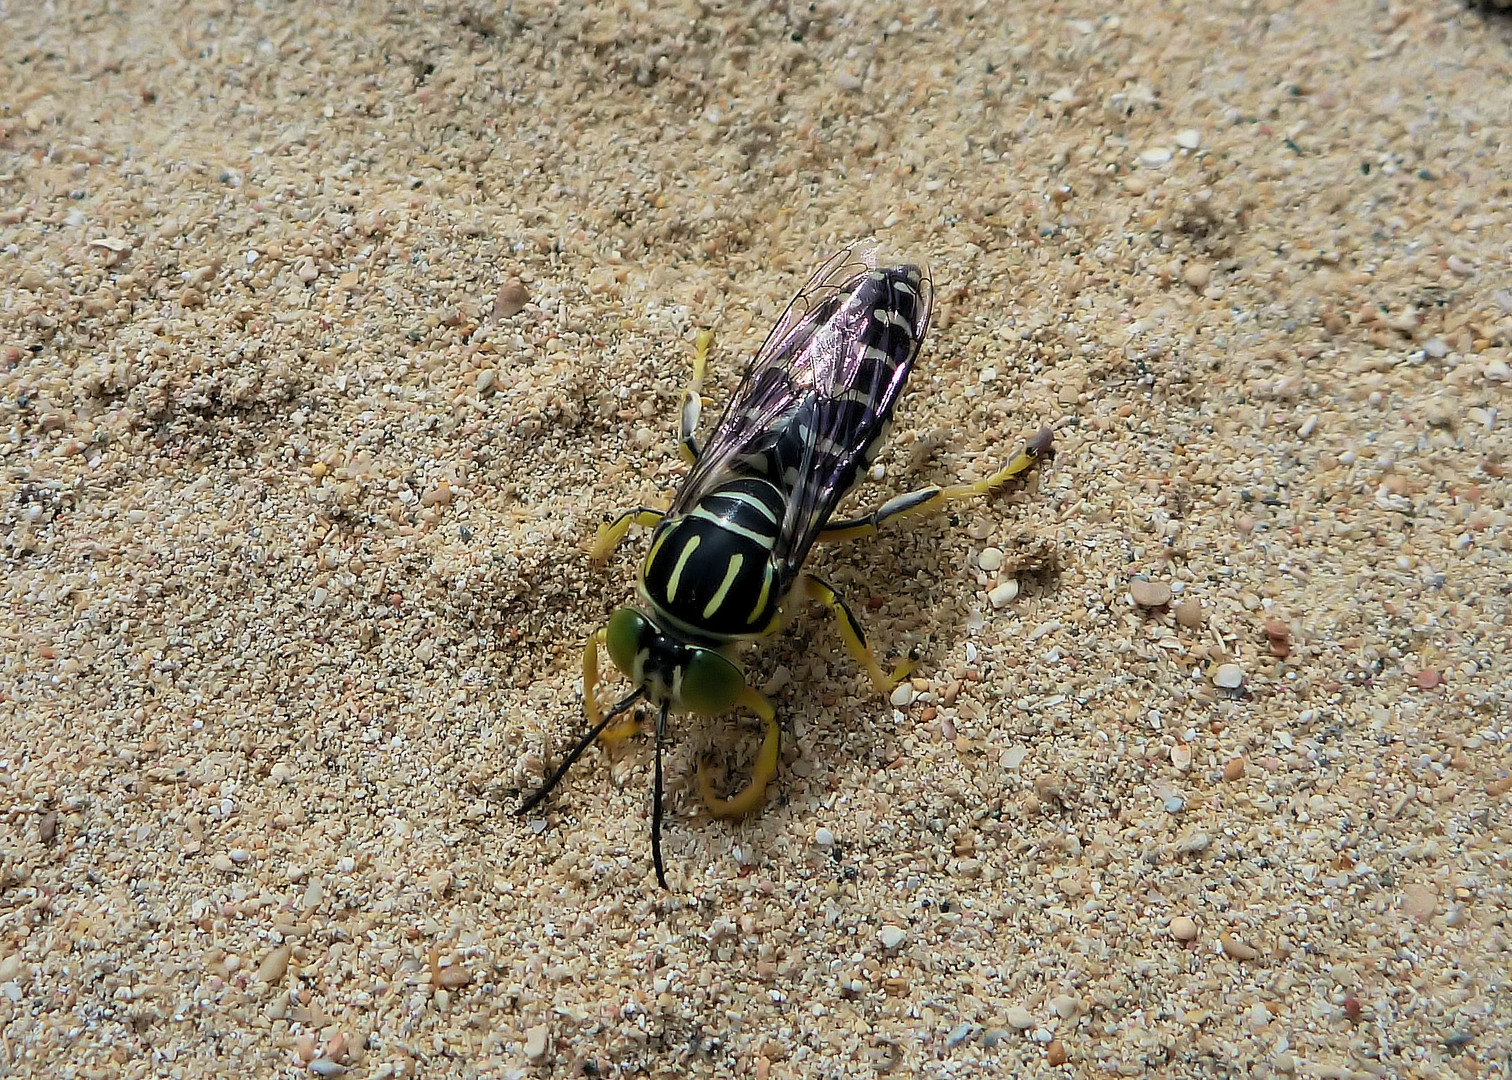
x: 329, y: 336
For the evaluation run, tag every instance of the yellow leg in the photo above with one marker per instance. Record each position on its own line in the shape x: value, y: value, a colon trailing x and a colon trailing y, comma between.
x: 927, y: 500
x: 854, y: 637
x: 626, y: 727
x: 612, y: 532
x: 591, y: 675
x: 691, y: 402
x: 595, y: 715
x: 753, y: 795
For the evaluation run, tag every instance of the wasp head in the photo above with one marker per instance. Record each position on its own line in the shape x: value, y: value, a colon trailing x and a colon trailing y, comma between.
x: 670, y: 669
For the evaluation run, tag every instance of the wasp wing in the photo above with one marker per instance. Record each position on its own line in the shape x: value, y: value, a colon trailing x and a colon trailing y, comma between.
x: 778, y: 378
x: 864, y: 354
x: 816, y: 401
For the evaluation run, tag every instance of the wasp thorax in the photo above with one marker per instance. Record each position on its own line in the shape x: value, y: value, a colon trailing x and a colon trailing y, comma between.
x: 693, y: 678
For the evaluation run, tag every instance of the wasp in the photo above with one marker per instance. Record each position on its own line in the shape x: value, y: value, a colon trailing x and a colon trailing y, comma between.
x: 725, y: 564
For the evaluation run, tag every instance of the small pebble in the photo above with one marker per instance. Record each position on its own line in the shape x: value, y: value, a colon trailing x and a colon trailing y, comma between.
x: 990, y: 560
x: 1020, y: 1018
x: 1233, y: 769
x: 1279, y: 636
x: 1156, y: 156
x: 1003, y: 594
x: 1183, y: 928
x: 1428, y: 679
x: 1064, y: 1006
x: 958, y: 1034
x: 1194, y: 843
x: 1498, y: 371
x: 823, y: 837
x: 1419, y: 901
x: 1055, y: 1053
x: 1174, y: 804
x: 510, y: 299
x: 1228, y: 677
x: 275, y: 964
x: 902, y: 695
x: 1189, y: 138
x: 1189, y: 613
x: 535, y: 1042
x: 892, y: 936
x: 1150, y: 594
x: 1235, y: 948
x: 1181, y: 756
x: 1197, y: 275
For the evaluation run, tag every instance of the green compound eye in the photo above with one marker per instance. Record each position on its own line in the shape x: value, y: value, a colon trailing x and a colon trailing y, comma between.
x: 711, y: 683
x: 627, y: 629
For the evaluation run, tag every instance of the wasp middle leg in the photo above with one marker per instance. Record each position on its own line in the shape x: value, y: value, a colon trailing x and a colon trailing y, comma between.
x: 690, y: 404
x: 611, y: 533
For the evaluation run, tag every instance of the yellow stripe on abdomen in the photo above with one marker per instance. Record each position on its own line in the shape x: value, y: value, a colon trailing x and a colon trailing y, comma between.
x: 761, y: 599
x: 732, y: 570
x: 682, y: 561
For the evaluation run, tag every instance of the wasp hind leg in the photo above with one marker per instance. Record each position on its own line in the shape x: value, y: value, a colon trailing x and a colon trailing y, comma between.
x: 749, y: 798
x: 854, y: 637
x: 929, y: 499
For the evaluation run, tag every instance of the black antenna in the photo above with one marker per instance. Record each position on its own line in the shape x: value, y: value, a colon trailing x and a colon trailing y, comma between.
x: 577, y: 751
x: 656, y: 806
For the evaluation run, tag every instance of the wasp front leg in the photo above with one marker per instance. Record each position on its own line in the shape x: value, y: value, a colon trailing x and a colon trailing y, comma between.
x: 626, y: 727
x: 751, y: 797
x: 854, y: 636
x: 929, y: 499
x: 691, y: 402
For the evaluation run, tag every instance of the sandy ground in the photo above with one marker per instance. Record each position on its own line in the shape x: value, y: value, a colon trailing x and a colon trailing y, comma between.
x: 295, y: 504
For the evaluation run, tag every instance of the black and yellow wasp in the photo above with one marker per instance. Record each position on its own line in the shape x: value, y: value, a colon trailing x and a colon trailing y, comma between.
x: 726, y: 559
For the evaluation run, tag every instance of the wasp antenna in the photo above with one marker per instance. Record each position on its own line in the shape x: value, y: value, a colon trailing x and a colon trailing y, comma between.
x: 656, y: 805
x: 577, y: 751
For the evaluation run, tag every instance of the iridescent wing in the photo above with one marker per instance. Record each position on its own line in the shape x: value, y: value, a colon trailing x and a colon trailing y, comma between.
x: 816, y: 401
x: 866, y: 352
x: 776, y: 380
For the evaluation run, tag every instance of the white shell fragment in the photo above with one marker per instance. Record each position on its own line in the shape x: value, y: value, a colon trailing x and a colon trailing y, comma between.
x: 1228, y: 676
x: 1004, y: 593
